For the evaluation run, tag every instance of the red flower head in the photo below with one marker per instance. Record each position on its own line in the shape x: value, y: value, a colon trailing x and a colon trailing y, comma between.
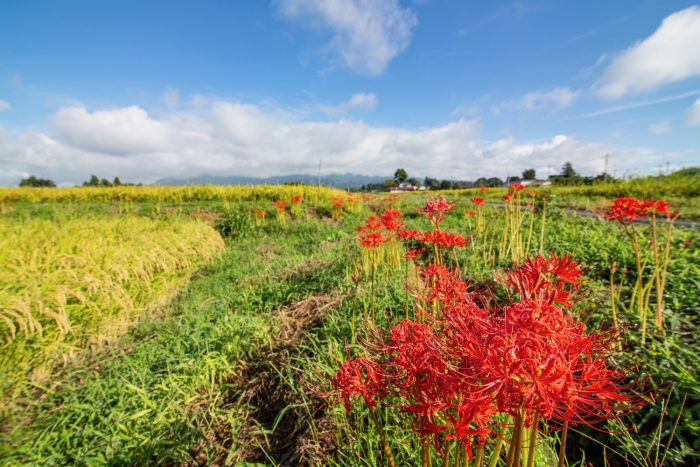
x: 390, y: 220
x: 358, y: 376
x: 372, y: 240
x: 260, y: 213
x: 625, y: 210
x: 484, y: 189
x: 545, y: 274
x: 280, y: 205
x: 516, y: 187
x: 469, y: 213
x: 478, y: 201
x: 435, y: 210
x: 337, y: 202
x: 297, y: 198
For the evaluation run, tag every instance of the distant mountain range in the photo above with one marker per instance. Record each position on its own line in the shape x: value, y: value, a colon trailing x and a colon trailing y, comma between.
x: 347, y: 180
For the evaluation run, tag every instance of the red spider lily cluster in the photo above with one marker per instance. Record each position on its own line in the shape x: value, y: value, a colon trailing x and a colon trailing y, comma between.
x: 458, y: 373
x: 477, y: 201
x: 279, y: 205
x: 205, y: 215
x: 656, y: 253
x: 628, y: 209
x: 380, y: 229
x: 338, y: 202
x: 296, y: 199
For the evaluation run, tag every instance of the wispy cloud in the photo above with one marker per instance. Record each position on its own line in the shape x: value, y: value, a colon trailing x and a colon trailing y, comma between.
x: 4, y: 106
x: 366, y: 34
x: 638, y: 104
x: 670, y: 54
x: 551, y: 100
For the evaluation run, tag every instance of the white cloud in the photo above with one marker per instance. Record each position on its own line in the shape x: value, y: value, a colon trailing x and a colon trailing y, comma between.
x: 692, y: 118
x: 670, y: 54
x: 228, y: 137
x: 552, y: 100
x: 4, y: 106
x: 362, y: 100
x: 660, y: 128
x: 557, y: 98
x: 366, y: 34
x: 117, y: 131
x: 358, y: 101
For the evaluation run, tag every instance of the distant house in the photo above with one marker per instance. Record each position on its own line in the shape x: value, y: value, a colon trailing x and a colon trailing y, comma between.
x: 405, y: 186
x: 535, y: 182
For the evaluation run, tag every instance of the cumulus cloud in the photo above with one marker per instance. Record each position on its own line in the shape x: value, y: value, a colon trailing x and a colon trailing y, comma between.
x: 552, y: 100
x: 235, y: 138
x: 117, y: 131
x: 4, y: 106
x: 366, y: 34
x: 660, y: 128
x: 670, y: 54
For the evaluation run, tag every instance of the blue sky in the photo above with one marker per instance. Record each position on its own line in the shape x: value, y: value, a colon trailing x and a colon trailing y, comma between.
x: 451, y: 89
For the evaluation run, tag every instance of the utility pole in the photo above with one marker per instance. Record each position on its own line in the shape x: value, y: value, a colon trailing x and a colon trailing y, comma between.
x: 607, y: 156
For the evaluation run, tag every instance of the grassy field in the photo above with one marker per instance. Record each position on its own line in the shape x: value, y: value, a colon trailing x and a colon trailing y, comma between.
x: 147, y: 339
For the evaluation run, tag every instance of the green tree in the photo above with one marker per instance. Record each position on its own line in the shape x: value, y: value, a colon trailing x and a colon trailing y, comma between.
x: 33, y: 181
x: 568, y: 171
x: 431, y: 183
x: 116, y: 181
x: 94, y: 181
x: 529, y: 174
x: 400, y: 175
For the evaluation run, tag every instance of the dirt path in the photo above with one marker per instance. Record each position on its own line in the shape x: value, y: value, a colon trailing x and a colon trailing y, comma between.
x: 271, y: 432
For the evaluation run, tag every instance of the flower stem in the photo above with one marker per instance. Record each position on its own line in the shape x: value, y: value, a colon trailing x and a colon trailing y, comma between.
x: 562, y: 445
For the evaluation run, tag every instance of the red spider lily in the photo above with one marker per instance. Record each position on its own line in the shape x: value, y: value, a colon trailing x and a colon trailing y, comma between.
x: 297, y: 199
x: 435, y: 237
x: 540, y: 273
x: 373, y: 224
x: 280, y: 205
x: 478, y: 201
x: 469, y: 213
x: 373, y: 240
x: 414, y: 253
x: 484, y: 189
x: 516, y: 187
x: 625, y: 210
x: 628, y: 209
x: 390, y: 220
x: 337, y: 202
x: 443, y: 286
x: 531, y: 193
x: 358, y: 376
x: 435, y: 210
x: 443, y: 239
x: 655, y: 207
x: 507, y: 197
x: 261, y: 213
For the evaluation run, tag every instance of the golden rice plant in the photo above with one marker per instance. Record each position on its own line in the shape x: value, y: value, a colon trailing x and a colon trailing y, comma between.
x: 77, y: 284
x: 176, y: 194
